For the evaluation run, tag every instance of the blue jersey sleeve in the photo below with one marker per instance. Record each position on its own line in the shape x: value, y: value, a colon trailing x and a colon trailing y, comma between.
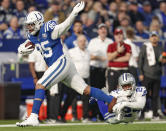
x: 49, y: 26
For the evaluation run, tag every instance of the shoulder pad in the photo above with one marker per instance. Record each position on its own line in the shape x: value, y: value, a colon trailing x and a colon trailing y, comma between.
x: 49, y: 26
x: 141, y: 90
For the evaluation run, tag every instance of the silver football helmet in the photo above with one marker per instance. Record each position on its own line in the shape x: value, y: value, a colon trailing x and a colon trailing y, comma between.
x: 127, y: 83
x: 33, y: 22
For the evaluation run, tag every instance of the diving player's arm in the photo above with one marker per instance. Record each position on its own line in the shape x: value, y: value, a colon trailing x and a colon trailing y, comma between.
x: 63, y: 27
x: 139, y: 99
x: 138, y: 104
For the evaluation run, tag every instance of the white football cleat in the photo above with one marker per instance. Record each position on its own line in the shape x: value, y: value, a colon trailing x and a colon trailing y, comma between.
x: 32, y: 120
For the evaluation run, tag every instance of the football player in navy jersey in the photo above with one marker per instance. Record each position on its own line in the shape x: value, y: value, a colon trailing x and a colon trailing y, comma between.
x: 46, y: 37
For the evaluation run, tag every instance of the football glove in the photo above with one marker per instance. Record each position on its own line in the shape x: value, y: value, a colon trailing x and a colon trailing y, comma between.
x: 78, y: 8
x: 25, y: 50
x: 118, y: 107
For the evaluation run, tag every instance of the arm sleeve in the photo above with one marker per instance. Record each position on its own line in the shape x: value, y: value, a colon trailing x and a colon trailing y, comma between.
x: 63, y: 27
x: 139, y: 104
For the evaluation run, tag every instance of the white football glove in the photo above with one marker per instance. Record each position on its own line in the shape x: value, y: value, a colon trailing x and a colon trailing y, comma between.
x: 25, y: 50
x: 78, y: 8
x: 118, y: 107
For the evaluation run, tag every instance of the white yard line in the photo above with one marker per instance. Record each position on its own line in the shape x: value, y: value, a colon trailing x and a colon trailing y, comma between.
x: 75, y: 124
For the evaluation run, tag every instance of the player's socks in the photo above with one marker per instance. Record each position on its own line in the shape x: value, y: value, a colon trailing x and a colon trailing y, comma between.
x: 104, y: 110
x: 38, y: 99
x: 100, y: 95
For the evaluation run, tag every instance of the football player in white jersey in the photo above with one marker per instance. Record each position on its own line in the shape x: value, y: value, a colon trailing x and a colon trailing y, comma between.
x: 130, y: 101
x: 46, y: 37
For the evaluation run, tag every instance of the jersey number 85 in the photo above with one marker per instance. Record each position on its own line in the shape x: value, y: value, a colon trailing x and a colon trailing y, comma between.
x: 45, y: 51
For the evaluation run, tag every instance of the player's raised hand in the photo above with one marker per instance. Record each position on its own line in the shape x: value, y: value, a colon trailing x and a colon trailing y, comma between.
x: 79, y: 7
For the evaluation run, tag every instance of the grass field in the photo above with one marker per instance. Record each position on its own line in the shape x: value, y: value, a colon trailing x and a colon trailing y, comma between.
x: 143, y: 126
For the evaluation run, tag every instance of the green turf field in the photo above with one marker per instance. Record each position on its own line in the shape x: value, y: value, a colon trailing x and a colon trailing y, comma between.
x: 130, y: 127
x: 92, y: 127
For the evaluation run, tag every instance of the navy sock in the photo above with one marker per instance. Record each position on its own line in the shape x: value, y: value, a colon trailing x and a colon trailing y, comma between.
x: 100, y: 95
x: 104, y: 110
x: 38, y: 99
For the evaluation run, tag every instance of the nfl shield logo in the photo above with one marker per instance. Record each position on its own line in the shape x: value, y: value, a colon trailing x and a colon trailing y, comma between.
x: 44, y: 35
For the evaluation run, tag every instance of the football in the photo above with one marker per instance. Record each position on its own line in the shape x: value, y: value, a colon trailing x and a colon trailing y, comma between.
x: 30, y: 43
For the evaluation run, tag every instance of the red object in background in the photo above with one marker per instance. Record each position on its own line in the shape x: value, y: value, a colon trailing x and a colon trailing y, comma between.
x: 69, y: 115
x: 43, y: 110
x: 164, y: 55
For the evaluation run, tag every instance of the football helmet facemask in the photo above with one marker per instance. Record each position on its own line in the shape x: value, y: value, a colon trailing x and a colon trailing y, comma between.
x: 33, y: 22
x: 127, y: 83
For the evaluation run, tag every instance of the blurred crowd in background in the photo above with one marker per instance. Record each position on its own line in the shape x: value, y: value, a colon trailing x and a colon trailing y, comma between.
x: 143, y: 16
x: 92, y: 40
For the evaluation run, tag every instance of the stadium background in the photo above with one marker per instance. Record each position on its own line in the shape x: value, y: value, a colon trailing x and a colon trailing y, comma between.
x: 114, y: 14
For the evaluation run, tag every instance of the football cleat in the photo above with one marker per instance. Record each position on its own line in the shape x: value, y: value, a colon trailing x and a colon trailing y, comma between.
x: 32, y: 120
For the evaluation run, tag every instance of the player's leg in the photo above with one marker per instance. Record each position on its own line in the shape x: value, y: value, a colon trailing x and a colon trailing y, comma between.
x: 54, y: 74
x: 77, y: 83
x: 108, y: 117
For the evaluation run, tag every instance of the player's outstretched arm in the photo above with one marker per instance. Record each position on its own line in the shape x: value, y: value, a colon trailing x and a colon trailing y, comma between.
x: 138, y: 104
x: 63, y: 27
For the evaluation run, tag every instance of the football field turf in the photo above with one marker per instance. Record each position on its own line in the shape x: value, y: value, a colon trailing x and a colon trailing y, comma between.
x: 140, y: 126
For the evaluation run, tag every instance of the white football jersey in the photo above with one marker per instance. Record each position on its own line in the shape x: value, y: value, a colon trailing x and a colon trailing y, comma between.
x: 137, y: 100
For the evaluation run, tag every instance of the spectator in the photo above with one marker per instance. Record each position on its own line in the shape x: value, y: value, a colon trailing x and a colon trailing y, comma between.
x: 118, y: 2
x: 81, y: 58
x: 124, y: 24
x: 89, y: 5
x: 13, y: 32
x: 20, y: 12
x: 133, y: 62
x: 5, y: 14
x: 123, y: 7
x: 54, y: 13
x: 112, y: 12
x: 162, y: 14
x: 89, y: 25
x: 147, y: 13
x: 77, y: 30
x: 118, y: 54
x: 140, y: 30
x: 120, y: 17
x: 149, y: 65
x: 104, y: 4
x: 67, y: 7
x: 156, y: 26
x: 31, y: 8
x: 96, y: 10
x: 133, y: 12
x: 98, y: 48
